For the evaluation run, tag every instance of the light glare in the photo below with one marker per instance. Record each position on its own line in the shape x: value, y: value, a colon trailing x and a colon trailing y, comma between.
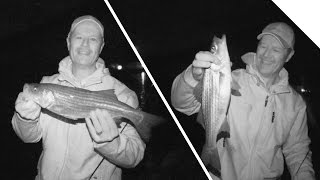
x: 119, y: 67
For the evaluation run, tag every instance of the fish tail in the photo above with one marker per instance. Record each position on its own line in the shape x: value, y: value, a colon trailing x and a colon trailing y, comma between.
x: 211, y: 160
x: 146, y: 123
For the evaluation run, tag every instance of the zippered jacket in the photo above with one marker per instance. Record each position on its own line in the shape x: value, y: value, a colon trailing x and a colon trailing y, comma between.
x: 265, y: 124
x: 68, y: 150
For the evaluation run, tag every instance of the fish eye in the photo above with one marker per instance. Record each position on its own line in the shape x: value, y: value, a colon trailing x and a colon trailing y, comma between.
x: 35, y: 89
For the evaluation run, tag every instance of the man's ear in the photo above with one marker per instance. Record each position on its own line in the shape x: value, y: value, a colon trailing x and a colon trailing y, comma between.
x: 68, y: 42
x: 101, y: 47
x: 290, y: 55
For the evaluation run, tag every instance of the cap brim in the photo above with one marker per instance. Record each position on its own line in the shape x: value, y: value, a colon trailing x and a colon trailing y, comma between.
x: 282, y: 42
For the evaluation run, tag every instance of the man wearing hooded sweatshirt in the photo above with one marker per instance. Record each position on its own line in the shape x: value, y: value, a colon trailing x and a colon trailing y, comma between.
x: 92, y: 150
x: 267, y: 117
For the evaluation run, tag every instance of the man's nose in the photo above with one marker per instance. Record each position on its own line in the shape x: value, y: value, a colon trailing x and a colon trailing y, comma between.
x: 85, y: 42
x: 267, y: 52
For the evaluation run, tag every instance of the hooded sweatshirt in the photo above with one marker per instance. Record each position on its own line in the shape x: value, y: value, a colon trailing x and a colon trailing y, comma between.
x: 68, y: 150
x: 266, y: 125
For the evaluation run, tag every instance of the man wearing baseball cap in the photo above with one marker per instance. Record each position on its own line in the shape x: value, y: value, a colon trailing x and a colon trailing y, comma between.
x: 267, y: 117
x: 98, y: 148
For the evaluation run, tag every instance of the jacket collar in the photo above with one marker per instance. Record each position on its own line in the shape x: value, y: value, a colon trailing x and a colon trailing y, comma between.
x: 282, y: 86
x: 65, y: 73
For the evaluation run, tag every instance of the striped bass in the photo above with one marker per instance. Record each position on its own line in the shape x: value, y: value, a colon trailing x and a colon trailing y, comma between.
x: 215, y: 99
x: 75, y: 103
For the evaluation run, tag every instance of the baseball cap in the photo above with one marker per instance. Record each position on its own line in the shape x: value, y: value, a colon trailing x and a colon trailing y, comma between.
x: 282, y: 32
x: 81, y: 19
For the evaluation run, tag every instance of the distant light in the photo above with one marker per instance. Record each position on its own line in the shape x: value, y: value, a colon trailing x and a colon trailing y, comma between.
x: 303, y: 89
x: 119, y: 67
x: 143, y: 77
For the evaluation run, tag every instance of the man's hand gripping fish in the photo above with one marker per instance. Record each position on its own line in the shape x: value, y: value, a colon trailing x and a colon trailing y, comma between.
x: 216, y: 92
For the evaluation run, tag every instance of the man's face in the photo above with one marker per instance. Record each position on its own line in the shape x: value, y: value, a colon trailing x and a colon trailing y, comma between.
x: 271, y: 56
x: 85, y: 43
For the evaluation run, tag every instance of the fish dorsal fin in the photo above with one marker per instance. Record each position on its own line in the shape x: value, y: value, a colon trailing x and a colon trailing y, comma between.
x: 110, y: 93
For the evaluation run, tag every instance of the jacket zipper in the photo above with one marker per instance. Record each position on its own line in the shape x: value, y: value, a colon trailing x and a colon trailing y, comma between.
x: 266, y: 101
x: 273, y: 115
x: 255, y: 139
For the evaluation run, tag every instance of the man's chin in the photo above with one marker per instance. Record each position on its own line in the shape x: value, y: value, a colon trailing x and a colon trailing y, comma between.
x: 266, y: 72
x: 84, y: 60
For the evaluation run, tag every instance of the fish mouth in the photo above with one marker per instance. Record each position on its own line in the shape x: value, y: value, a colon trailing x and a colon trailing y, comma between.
x: 26, y: 87
x: 27, y: 93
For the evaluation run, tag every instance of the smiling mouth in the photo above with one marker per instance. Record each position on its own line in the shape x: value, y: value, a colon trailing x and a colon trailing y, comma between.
x: 267, y: 62
x: 84, y: 52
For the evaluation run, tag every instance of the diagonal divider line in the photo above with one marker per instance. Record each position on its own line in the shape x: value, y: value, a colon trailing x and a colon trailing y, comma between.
x: 157, y: 88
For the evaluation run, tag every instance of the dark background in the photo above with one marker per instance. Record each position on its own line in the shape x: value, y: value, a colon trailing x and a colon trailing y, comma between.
x: 167, y: 35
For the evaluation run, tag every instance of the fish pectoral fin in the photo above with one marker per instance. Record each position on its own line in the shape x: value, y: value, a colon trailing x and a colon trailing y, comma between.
x: 224, y: 131
x: 223, y: 134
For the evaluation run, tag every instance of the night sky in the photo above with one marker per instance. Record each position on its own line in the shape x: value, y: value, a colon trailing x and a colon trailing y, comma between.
x: 167, y: 35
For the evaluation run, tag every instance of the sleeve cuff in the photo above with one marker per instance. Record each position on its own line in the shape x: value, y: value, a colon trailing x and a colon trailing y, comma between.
x: 304, y: 176
x: 108, y: 147
x: 26, y: 120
